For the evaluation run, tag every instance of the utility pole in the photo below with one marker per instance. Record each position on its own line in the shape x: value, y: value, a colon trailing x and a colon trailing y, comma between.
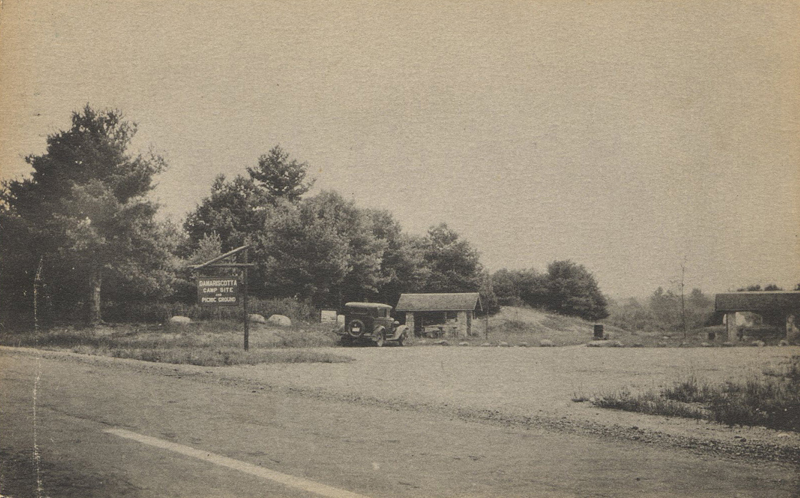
x: 683, y: 299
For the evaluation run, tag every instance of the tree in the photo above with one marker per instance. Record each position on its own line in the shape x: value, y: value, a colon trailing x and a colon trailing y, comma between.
x: 517, y: 287
x: 454, y: 264
x: 234, y: 211
x: 238, y: 209
x: 572, y: 290
x: 322, y: 249
x: 280, y: 177
x: 85, y: 211
x: 403, y: 267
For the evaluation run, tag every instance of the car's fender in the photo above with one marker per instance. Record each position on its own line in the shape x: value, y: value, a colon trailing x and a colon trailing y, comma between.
x: 398, y: 332
x: 377, y: 331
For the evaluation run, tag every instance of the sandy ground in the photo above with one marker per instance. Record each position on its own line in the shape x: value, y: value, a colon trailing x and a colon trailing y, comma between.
x: 534, y: 386
x: 394, y: 444
x: 516, y: 384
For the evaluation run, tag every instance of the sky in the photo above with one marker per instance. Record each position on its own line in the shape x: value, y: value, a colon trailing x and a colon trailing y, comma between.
x: 628, y: 136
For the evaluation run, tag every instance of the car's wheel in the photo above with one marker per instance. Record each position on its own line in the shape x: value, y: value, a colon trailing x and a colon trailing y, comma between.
x: 402, y: 339
x: 355, y: 328
x: 381, y: 340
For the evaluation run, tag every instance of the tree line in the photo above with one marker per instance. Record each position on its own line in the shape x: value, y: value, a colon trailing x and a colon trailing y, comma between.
x: 81, y: 230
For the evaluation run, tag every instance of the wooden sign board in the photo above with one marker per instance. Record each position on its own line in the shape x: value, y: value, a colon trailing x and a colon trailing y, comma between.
x: 217, y: 291
x: 327, y: 316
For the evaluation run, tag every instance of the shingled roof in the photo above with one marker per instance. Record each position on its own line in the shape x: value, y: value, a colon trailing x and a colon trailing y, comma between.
x: 463, y: 301
x: 757, y: 301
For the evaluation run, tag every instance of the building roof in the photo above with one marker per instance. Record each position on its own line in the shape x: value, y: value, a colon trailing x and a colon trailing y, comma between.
x: 463, y: 301
x: 367, y: 305
x: 757, y: 301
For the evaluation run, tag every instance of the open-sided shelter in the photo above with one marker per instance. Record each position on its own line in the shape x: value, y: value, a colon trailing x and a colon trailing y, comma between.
x: 455, y: 310
x: 773, y: 304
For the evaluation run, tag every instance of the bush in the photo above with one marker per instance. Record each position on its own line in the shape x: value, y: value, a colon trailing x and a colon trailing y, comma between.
x: 135, y: 312
x: 771, y: 401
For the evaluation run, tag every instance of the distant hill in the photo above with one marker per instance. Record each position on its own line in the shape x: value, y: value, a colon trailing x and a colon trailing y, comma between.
x: 521, y: 324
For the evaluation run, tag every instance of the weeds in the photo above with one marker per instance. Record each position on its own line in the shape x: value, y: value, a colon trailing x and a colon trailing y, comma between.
x: 771, y: 401
x: 214, y: 343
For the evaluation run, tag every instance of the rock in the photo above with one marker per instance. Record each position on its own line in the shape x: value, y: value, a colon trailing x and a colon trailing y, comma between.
x: 661, y: 344
x: 180, y: 320
x: 463, y: 343
x: 605, y: 344
x: 256, y: 318
x: 503, y: 344
x: 705, y: 345
x: 637, y: 345
x: 546, y: 343
x: 757, y: 344
x: 280, y: 320
x: 443, y: 342
x: 523, y: 344
x: 486, y: 345
x: 727, y: 344
x: 783, y: 342
x: 683, y: 345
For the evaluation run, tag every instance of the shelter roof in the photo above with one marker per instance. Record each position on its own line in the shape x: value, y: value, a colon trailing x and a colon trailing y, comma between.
x: 757, y: 301
x: 367, y: 305
x: 462, y: 301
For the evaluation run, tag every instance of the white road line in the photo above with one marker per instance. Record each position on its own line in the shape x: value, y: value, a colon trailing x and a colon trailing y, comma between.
x: 247, y: 468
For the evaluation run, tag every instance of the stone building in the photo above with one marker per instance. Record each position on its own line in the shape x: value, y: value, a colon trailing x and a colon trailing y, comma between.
x: 449, y: 313
x: 777, y: 306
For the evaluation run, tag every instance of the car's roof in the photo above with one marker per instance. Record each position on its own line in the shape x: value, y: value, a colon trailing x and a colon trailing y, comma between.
x: 367, y: 305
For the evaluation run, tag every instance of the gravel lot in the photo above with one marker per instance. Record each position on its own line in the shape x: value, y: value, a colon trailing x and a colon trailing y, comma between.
x: 520, y: 386
x: 537, y: 385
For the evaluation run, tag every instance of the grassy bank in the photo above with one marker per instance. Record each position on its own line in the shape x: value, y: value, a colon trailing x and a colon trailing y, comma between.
x: 212, y: 343
x: 771, y: 400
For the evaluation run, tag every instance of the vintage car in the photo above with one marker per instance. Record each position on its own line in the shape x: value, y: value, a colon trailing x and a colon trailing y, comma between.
x: 371, y: 322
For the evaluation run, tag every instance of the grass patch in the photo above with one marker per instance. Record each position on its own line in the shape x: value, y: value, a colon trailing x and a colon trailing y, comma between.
x: 771, y: 400
x: 214, y: 343
x: 650, y: 403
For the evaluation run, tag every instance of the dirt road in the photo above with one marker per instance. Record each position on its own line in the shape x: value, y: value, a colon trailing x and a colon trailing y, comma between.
x: 72, y: 426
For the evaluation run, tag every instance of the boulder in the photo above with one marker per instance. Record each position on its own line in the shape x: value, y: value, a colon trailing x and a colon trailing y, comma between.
x: 727, y: 344
x: 486, y: 345
x: 783, y: 342
x: 523, y: 344
x: 705, y: 345
x: 758, y: 344
x: 280, y: 320
x: 443, y: 342
x: 256, y: 318
x: 546, y: 343
x: 503, y: 344
x: 464, y: 343
x: 604, y: 344
x: 180, y: 320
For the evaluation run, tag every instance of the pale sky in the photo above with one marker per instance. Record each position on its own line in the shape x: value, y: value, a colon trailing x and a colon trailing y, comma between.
x: 628, y: 136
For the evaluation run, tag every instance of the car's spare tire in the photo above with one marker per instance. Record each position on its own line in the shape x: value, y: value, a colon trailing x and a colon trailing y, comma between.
x: 356, y: 328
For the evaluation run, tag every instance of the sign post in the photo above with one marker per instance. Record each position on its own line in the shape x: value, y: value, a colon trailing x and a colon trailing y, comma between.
x: 246, y: 317
x: 224, y: 291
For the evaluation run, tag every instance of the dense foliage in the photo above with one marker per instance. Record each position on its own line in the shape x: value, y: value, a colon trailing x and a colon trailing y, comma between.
x: 82, y: 225
x: 81, y: 234
x: 664, y: 312
x: 566, y: 288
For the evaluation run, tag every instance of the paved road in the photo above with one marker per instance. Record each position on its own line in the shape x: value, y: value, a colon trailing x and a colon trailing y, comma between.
x: 100, y: 430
